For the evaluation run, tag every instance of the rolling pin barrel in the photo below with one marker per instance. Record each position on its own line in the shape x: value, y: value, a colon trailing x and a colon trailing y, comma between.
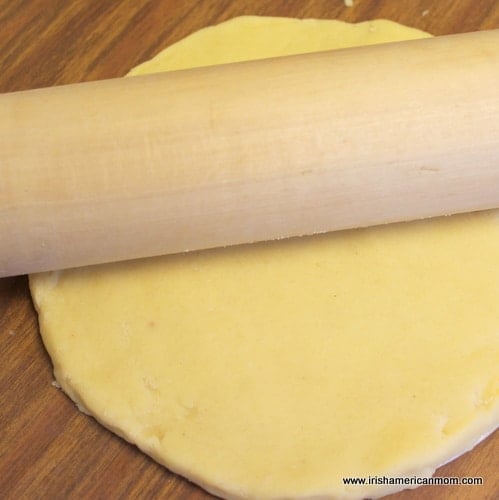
x: 127, y: 168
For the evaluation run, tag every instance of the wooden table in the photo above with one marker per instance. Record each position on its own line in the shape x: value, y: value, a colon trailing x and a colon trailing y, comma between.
x: 49, y: 450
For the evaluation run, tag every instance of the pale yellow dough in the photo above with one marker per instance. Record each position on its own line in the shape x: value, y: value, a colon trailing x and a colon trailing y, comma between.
x: 275, y: 370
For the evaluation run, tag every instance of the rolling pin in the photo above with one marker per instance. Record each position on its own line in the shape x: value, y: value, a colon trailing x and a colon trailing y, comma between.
x: 126, y: 168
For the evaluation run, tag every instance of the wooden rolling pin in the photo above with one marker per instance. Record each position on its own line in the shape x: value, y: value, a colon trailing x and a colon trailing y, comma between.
x: 127, y: 168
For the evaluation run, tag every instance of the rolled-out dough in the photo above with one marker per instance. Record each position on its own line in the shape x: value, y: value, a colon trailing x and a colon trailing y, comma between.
x: 276, y: 370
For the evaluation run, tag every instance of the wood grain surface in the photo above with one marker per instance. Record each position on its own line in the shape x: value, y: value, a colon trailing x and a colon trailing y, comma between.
x: 48, y: 450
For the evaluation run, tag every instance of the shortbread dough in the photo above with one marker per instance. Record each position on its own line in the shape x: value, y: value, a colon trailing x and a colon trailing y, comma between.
x: 275, y: 370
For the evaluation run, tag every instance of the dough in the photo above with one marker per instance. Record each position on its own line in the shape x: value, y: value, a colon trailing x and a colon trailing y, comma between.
x: 274, y: 370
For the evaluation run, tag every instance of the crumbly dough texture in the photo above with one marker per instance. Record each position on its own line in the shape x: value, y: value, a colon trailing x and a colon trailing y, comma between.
x: 274, y: 370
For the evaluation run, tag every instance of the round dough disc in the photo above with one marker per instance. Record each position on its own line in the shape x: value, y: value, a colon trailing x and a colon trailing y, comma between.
x: 276, y: 370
